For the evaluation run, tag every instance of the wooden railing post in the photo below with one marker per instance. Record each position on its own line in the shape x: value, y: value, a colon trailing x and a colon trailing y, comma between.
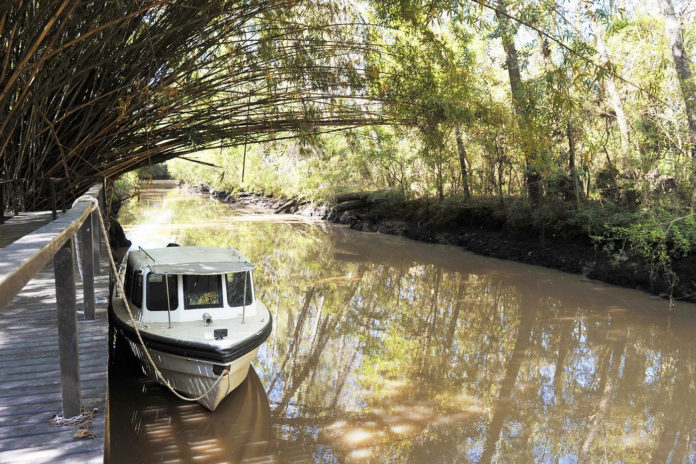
x: 67, y: 330
x: 15, y: 198
x: 63, y: 200
x: 96, y: 241
x: 105, y: 208
x: 52, y: 189
x: 103, y: 196
x: 20, y: 195
x: 85, y: 238
x: 2, y: 202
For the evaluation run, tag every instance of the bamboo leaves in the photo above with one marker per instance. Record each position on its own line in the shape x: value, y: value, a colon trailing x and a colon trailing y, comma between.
x: 89, y: 88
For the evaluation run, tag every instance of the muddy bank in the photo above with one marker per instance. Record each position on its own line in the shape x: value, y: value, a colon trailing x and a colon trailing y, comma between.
x: 268, y: 202
x: 478, y: 229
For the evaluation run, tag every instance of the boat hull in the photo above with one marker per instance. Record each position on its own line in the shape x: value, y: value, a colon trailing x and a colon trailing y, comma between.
x: 192, y: 368
x: 195, y: 377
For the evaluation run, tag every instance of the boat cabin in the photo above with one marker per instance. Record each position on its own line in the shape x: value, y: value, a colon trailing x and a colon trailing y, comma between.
x: 188, y: 284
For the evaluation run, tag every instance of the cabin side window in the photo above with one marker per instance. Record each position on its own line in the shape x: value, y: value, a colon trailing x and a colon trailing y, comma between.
x: 137, y: 292
x: 202, y: 291
x: 157, y: 288
x: 235, y: 288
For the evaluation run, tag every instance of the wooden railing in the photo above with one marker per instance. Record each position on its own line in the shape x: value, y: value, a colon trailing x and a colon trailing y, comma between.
x: 26, y: 257
x: 14, y: 189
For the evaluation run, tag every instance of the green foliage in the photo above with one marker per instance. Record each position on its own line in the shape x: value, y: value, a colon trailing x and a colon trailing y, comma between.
x: 125, y: 185
x: 441, y: 68
x: 658, y: 235
x: 155, y: 171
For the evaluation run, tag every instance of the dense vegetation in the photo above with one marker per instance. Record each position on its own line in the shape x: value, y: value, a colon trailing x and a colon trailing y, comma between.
x: 556, y: 115
x: 563, y: 114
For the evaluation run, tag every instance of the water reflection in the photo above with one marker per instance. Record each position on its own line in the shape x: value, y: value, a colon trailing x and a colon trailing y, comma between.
x: 148, y: 426
x: 388, y: 350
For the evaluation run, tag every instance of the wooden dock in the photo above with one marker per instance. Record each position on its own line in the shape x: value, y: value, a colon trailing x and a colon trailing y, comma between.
x: 15, y: 227
x: 35, y: 373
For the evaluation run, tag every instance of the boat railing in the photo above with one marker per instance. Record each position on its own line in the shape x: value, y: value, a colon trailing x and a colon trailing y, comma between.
x: 23, y: 259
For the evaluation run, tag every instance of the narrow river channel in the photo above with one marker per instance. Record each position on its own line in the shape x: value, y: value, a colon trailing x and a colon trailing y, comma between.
x: 388, y: 350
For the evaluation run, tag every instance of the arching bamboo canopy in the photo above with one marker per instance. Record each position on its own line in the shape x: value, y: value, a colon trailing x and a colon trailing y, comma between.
x: 102, y: 87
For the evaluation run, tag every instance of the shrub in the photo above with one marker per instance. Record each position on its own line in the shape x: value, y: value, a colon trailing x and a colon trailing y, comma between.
x: 659, y: 235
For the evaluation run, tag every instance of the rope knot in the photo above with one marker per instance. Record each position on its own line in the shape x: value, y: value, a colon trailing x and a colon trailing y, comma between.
x: 88, y: 198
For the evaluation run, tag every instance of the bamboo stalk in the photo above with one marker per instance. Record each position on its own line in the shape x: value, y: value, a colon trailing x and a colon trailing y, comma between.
x: 114, y: 88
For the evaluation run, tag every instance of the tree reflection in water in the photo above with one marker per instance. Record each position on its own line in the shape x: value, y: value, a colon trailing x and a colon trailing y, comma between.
x: 148, y: 425
x: 388, y: 350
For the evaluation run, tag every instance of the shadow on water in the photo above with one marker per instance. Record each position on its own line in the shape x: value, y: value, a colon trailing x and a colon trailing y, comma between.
x: 151, y: 425
x: 387, y: 350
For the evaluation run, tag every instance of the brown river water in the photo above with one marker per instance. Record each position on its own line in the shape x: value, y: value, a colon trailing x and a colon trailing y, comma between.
x: 388, y: 350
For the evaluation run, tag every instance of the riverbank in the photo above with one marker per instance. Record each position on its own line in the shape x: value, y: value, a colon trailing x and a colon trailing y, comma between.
x: 480, y: 230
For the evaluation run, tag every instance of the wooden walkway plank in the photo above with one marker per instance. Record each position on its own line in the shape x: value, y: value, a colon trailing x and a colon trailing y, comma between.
x: 41, y: 402
x: 15, y: 227
x: 30, y: 392
x: 43, y: 390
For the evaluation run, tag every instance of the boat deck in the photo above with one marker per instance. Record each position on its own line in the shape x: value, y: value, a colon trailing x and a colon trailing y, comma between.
x: 30, y: 392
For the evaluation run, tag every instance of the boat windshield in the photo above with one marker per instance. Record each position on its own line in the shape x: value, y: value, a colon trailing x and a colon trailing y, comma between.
x: 235, y: 288
x: 157, y: 291
x: 202, y: 291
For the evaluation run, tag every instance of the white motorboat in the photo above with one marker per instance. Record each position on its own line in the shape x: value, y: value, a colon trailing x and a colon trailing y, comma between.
x: 197, y: 315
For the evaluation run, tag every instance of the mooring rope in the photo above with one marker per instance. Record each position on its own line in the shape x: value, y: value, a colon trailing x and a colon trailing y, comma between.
x: 86, y: 415
x: 121, y: 288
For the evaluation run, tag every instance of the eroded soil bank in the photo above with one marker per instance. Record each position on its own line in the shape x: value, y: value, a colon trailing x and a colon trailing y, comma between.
x: 477, y: 229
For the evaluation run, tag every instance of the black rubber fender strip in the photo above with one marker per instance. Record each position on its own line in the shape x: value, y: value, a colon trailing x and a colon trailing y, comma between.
x: 196, y: 350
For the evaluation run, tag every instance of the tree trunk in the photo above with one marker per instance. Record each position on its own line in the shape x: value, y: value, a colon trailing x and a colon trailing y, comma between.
x: 609, y: 83
x: 462, y: 161
x: 572, y: 165
x: 292, y: 352
x: 440, y: 182
x: 501, y: 407
x: 532, y: 174
x: 564, y: 343
x: 681, y: 64
x: 610, y: 378
x: 326, y: 330
x: 677, y: 412
x: 453, y: 323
